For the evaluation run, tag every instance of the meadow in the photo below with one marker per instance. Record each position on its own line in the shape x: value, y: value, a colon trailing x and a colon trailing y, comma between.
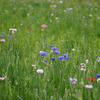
x: 49, y: 50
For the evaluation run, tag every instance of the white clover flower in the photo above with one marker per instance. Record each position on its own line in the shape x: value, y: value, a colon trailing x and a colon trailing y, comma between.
x: 39, y: 71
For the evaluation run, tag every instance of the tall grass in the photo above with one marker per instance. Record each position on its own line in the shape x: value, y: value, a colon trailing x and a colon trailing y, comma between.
x: 68, y: 31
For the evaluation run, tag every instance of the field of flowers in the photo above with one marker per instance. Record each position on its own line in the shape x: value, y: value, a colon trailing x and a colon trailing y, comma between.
x: 49, y: 50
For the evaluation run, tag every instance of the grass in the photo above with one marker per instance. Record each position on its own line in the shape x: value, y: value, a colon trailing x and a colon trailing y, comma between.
x: 66, y: 30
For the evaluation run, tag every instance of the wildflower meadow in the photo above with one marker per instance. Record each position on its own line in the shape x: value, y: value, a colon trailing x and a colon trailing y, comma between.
x: 49, y: 50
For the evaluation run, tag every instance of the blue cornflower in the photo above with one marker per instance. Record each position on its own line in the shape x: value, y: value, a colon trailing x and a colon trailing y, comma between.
x: 2, y: 36
x: 73, y: 81
x: 53, y: 58
x: 46, y: 43
x: 33, y: 17
x: 77, y: 22
x: 76, y: 17
x: 66, y: 56
x: 57, y: 52
x: 54, y: 48
x: 61, y: 57
x: 9, y: 36
x: 71, y: 12
x: 45, y: 60
x: 68, y: 12
x: 50, y: 45
x: 87, y: 15
x: 97, y: 75
x: 2, y: 33
x: 43, y: 53
x: 21, y: 22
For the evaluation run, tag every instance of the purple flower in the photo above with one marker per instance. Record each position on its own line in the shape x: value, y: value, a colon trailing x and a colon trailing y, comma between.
x: 66, y: 56
x: 54, y: 48
x: 73, y: 81
x: 43, y: 53
x: 9, y: 36
x: 97, y: 75
x: 57, y: 52
x: 50, y: 45
x: 53, y: 58
x: 61, y: 57
x: 46, y: 43
x: 2, y: 33
x: 45, y: 60
x: 2, y: 36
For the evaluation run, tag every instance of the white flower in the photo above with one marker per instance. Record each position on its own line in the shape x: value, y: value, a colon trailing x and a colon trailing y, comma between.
x: 52, y: 14
x: 90, y: 15
x: 73, y: 49
x: 98, y: 80
x: 30, y: 5
x: 88, y: 86
x: 83, y: 65
x: 41, y: 51
x: 83, y: 69
x: 73, y: 81
x: 98, y: 17
x: 61, y: 2
x: 98, y: 60
x: 39, y: 71
x: 56, y: 18
x: 33, y: 65
x: 69, y: 9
